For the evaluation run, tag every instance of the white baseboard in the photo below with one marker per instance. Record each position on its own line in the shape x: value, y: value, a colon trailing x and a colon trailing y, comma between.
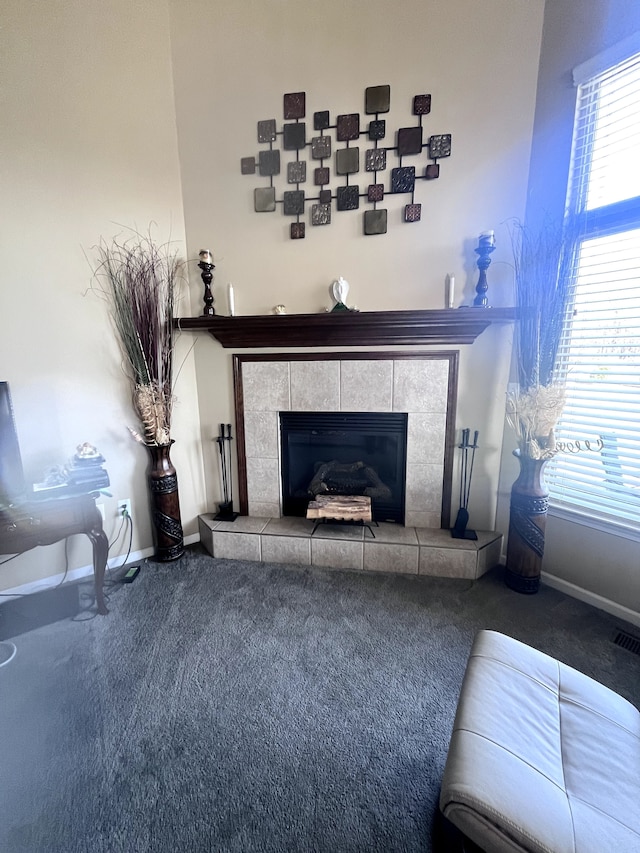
x: 592, y: 598
x: 82, y: 572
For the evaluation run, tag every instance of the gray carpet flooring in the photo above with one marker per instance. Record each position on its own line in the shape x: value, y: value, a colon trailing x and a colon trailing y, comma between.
x: 230, y: 706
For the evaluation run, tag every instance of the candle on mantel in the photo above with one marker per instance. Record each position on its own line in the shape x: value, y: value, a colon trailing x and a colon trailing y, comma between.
x: 488, y: 238
x: 451, y: 283
x: 232, y: 304
x: 206, y: 257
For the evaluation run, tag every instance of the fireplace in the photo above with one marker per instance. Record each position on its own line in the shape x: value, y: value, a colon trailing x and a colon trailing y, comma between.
x: 421, y: 387
x: 344, y: 453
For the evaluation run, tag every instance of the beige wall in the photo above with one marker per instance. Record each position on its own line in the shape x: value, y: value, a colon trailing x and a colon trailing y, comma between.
x: 88, y: 145
x: 232, y: 64
x: 581, y: 559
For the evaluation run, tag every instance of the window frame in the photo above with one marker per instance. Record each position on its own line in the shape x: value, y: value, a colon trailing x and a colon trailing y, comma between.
x: 586, y: 224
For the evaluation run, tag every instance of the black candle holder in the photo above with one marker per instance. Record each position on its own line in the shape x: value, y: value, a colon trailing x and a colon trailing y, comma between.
x: 485, y: 247
x: 207, y: 268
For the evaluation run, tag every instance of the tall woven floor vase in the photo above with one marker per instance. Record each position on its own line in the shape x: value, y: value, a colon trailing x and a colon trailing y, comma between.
x: 165, y: 504
x: 527, y: 523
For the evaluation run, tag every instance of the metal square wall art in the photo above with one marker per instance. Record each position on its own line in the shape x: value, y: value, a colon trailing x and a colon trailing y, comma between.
x: 267, y: 130
x: 347, y: 161
x: 375, y: 222
x: 411, y: 157
x: 269, y: 162
x: 440, y: 146
x: 320, y: 214
x: 409, y: 141
x: 294, y: 136
x: 248, y: 165
x: 375, y: 160
x: 321, y: 147
x: 403, y: 179
x: 377, y: 99
x: 377, y: 129
x: 264, y: 199
x: 294, y: 105
x: 297, y: 172
x: 293, y: 202
x: 348, y: 198
x: 412, y: 212
x: 348, y: 127
x: 321, y: 120
x: 421, y: 105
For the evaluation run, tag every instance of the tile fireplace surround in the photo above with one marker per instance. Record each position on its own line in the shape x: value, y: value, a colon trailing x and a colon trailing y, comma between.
x: 421, y: 384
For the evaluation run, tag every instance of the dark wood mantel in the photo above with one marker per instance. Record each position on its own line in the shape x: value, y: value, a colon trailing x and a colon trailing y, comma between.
x: 366, y: 328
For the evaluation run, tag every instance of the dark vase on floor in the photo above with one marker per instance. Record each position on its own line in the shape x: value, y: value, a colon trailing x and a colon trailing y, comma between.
x: 165, y: 504
x: 527, y: 522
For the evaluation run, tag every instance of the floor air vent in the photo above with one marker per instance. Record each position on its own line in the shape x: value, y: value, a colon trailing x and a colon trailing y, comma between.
x: 628, y: 642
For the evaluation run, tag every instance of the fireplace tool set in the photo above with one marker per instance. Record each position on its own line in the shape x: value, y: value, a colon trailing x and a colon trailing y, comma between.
x: 459, y: 529
x: 225, y: 509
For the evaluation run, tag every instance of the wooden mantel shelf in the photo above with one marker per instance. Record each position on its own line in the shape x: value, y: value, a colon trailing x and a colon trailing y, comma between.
x: 366, y: 328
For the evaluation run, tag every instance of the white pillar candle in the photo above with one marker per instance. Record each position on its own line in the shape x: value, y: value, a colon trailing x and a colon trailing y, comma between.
x: 488, y: 237
x: 206, y: 257
x: 232, y: 304
x: 451, y: 283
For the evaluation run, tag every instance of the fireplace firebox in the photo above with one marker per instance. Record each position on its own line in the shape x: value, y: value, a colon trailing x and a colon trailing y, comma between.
x: 346, y: 453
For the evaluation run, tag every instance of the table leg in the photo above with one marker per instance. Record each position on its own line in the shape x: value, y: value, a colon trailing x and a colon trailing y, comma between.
x: 100, y: 544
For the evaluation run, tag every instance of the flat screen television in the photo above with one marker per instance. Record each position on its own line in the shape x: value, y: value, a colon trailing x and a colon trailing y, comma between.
x: 12, y: 485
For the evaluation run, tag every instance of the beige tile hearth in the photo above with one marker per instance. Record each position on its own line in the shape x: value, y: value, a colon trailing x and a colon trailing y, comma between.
x: 395, y: 534
x: 448, y: 563
x: 391, y: 557
x: 286, y: 549
x: 336, y: 553
x: 288, y: 526
x: 395, y: 549
x: 236, y: 546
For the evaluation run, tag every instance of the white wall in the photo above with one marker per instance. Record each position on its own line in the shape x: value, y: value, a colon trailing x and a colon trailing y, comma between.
x: 233, y: 62
x: 88, y: 146
x: 598, y: 566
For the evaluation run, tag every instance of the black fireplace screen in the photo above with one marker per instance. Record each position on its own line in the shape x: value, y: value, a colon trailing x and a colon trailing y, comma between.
x: 344, y: 453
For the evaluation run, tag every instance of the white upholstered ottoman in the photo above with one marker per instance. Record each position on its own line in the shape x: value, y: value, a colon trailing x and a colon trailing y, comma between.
x: 542, y: 758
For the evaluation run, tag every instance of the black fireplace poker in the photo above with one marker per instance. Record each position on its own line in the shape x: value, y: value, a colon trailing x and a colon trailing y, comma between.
x: 225, y: 509
x: 459, y: 529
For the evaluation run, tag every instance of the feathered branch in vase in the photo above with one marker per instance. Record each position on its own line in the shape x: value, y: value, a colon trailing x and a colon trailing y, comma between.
x: 140, y: 280
x: 542, y: 262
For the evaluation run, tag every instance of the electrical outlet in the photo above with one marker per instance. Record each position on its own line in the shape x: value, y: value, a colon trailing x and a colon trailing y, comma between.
x: 124, y: 508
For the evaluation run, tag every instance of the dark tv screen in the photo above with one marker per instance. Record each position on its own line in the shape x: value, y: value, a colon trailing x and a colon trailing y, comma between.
x: 11, y: 475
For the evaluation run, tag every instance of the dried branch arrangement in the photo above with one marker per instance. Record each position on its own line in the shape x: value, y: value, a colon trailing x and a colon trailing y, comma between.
x: 140, y: 281
x: 542, y: 262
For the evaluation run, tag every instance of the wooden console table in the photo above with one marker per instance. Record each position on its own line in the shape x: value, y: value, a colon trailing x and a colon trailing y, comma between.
x: 27, y: 524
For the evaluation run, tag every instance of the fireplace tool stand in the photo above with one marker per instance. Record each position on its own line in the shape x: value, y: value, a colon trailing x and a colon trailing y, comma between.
x: 225, y: 509
x: 459, y: 529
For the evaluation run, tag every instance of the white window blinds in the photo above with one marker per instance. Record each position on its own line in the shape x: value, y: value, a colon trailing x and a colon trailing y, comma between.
x: 598, y: 472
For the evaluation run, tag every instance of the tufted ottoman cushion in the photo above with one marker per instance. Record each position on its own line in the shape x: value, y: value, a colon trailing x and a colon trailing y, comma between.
x: 542, y: 758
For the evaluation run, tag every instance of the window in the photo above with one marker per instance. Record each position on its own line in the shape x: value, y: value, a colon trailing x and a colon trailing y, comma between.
x: 598, y: 474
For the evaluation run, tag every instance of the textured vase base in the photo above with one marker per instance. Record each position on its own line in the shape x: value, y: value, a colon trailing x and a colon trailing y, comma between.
x: 167, y: 555
x: 519, y: 583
